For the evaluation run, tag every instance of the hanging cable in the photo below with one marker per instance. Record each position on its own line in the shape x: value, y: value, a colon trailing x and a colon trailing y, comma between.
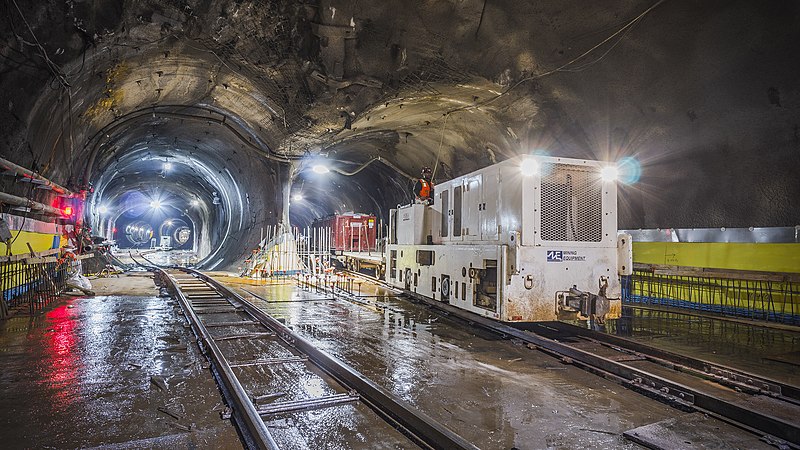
x: 562, y: 67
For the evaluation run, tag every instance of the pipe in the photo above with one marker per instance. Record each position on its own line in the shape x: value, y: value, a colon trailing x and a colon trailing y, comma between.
x: 34, y: 206
x: 8, y: 165
x: 376, y: 158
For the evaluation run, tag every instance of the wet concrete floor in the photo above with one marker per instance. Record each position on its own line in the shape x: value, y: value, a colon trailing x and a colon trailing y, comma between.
x: 493, y: 392
x: 120, y: 370
x: 158, y: 257
x: 117, y: 370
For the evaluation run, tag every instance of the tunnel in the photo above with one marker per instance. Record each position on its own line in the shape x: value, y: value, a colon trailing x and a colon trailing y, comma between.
x: 218, y: 111
x: 399, y: 224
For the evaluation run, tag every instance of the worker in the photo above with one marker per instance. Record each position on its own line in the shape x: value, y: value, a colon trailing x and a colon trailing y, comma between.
x: 423, y: 188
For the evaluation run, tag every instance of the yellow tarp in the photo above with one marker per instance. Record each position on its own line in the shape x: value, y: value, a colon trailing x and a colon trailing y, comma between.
x: 738, y: 256
x: 39, y: 242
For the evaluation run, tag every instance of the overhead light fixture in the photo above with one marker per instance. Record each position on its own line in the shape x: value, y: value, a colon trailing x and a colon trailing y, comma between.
x: 529, y: 166
x: 194, y: 202
x: 320, y: 169
x: 169, y: 223
x: 167, y: 166
x: 102, y: 209
x: 155, y: 204
x: 297, y: 197
x: 609, y: 173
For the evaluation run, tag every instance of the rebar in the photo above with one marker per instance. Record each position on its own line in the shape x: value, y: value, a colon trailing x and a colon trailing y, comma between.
x: 744, y: 296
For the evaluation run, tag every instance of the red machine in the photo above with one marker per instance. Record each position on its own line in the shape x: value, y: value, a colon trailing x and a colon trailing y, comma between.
x: 351, y: 232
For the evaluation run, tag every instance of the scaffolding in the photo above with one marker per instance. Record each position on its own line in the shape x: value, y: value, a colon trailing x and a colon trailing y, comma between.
x: 288, y: 252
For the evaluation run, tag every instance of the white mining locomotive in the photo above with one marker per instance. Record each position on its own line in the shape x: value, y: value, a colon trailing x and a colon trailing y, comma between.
x: 529, y: 239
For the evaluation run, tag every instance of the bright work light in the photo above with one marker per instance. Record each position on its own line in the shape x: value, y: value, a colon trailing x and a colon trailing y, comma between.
x: 609, y: 173
x: 529, y: 167
x: 320, y: 168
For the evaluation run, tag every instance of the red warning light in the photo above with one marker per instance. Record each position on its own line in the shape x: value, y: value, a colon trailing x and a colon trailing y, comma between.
x: 114, y: 230
x: 68, y: 211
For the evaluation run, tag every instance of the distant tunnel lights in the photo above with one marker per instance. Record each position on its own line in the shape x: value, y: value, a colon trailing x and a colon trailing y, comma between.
x: 155, y: 204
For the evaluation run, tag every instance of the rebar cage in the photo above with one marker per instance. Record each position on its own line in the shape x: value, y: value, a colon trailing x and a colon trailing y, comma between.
x: 768, y: 296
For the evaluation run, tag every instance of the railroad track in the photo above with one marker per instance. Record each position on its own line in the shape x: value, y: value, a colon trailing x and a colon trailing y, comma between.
x: 221, y: 318
x: 755, y: 403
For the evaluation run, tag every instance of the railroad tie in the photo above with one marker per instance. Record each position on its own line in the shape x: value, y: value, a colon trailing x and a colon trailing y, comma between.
x: 307, y: 404
x: 244, y: 336
x: 267, y: 361
x: 231, y: 324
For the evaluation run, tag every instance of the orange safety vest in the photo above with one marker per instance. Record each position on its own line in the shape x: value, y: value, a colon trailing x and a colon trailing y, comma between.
x: 425, y: 192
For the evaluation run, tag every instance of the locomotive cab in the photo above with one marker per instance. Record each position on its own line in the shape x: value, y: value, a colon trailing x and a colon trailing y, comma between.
x: 527, y: 239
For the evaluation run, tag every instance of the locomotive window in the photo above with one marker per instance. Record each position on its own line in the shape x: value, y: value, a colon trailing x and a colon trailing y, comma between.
x: 433, y: 284
x: 456, y: 283
x: 457, y: 211
x: 393, y: 264
x: 445, y: 212
x: 393, y: 227
x: 426, y: 257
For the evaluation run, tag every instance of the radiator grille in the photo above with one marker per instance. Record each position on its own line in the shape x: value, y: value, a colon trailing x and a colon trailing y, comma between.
x: 572, y: 207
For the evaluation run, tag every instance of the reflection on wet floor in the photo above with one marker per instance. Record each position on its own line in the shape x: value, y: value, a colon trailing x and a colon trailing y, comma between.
x: 773, y: 352
x: 115, y: 369
x: 493, y: 392
x: 158, y: 257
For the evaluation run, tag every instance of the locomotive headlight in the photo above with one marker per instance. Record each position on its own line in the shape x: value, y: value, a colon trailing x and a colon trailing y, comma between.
x: 529, y: 167
x: 609, y: 173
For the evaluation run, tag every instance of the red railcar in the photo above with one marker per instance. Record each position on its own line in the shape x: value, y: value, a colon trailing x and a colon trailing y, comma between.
x: 351, y: 232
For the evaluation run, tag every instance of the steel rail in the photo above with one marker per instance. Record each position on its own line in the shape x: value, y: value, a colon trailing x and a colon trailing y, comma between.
x: 665, y: 390
x: 719, y: 373
x: 244, y: 411
x: 423, y: 429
